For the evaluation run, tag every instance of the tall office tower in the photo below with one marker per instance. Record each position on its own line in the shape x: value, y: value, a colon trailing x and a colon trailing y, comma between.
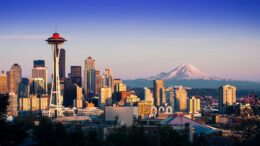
x: 24, y: 88
x: 89, y: 77
x: 56, y: 98
x: 105, y: 97
x: 62, y: 69
x: 163, y: 99
x: 120, y: 87
x: 12, y: 107
x: 62, y: 64
x: 78, y: 102
x: 194, y: 105
x: 98, y: 82
x: 75, y: 75
x: 158, y: 91
x: 38, y: 63
x: 3, y: 83
x: 108, y: 79
x: 14, y: 77
x: 37, y: 86
x: 181, y: 99
x: 114, y: 83
x: 40, y: 71
x: 69, y: 92
x: 170, y: 96
x: 227, y: 97
x: 148, y: 95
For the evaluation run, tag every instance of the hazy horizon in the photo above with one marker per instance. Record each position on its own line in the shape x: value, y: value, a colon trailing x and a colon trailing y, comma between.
x: 136, y: 38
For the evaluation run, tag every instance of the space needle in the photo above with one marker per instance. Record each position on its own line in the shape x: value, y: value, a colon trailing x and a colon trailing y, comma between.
x: 56, y: 99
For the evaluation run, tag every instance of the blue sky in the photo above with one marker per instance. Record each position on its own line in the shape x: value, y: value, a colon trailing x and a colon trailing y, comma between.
x: 136, y: 38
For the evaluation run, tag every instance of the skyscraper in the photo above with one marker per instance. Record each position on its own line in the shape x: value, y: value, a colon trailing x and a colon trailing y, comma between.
x: 105, y: 97
x: 120, y: 87
x: 62, y: 69
x: 78, y: 101
x: 39, y: 71
x: 24, y: 88
x: 181, y: 99
x: 69, y: 92
x: 158, y: 91
x: 38, y: 63
x: 170, y: 96
x: 114, y: 83
x: 12, y: 107
x: 37, y: 86
x: 148, y: 95
x: 194, y: 105
x: 108, y: 79
x: 14, y: 77
x: 98, y: 82
x: 62, y: 64
x: 227, y: 97
x: 89, y: 77
x: 3, y: 83
x: 75, y: 75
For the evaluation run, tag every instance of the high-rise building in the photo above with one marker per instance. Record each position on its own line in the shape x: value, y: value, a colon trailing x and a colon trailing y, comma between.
x: 62, y: 64
x: 12, y: 107
x: 180, y: 98
x: 120, y: 87
x: 78, y: 102
x: 37, y: 86
x: 148, y: 95
x: 158, y: 91
x: 14, y: 77
x: 227, y: 97
x: 40, y: 71
x: 114, y: 83
x: 98, y: 82
x: 75, y: 75
x: 107, y: 78
x: 89, y: 77
x: 105, y: 97
x: 194, y: 105
x: 163, y: 99
x: 3, y: 83
x: 170, y: 96
x: 24, y: 88
x: 38, y: 63
x: 69, y: 93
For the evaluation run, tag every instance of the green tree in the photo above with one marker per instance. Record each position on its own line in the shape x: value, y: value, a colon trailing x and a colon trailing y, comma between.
x: 11, y: 134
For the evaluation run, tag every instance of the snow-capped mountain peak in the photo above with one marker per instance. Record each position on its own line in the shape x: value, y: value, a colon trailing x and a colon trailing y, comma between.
x: 185, y: 71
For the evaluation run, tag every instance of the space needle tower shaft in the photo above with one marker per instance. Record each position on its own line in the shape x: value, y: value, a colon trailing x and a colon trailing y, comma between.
x: 56, y: 99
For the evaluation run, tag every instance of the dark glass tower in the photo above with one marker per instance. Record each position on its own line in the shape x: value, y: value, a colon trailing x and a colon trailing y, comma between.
x: 38, y: 63
x: 62, y: 64
x: 75, y: 75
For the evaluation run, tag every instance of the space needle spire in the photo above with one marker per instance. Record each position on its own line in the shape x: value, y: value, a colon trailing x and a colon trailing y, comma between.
x: 56, y: 99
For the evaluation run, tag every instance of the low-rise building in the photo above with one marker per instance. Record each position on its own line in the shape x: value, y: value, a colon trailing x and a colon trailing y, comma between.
x: 123, y: 115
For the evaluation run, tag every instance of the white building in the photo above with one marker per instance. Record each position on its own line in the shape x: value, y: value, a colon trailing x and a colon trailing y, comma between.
x: 125, y: 114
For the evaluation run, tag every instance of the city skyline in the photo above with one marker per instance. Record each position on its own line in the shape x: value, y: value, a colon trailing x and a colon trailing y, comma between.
x: 136, y: 38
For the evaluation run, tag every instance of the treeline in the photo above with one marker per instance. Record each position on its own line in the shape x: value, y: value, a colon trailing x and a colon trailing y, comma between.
x: 48, y: 133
